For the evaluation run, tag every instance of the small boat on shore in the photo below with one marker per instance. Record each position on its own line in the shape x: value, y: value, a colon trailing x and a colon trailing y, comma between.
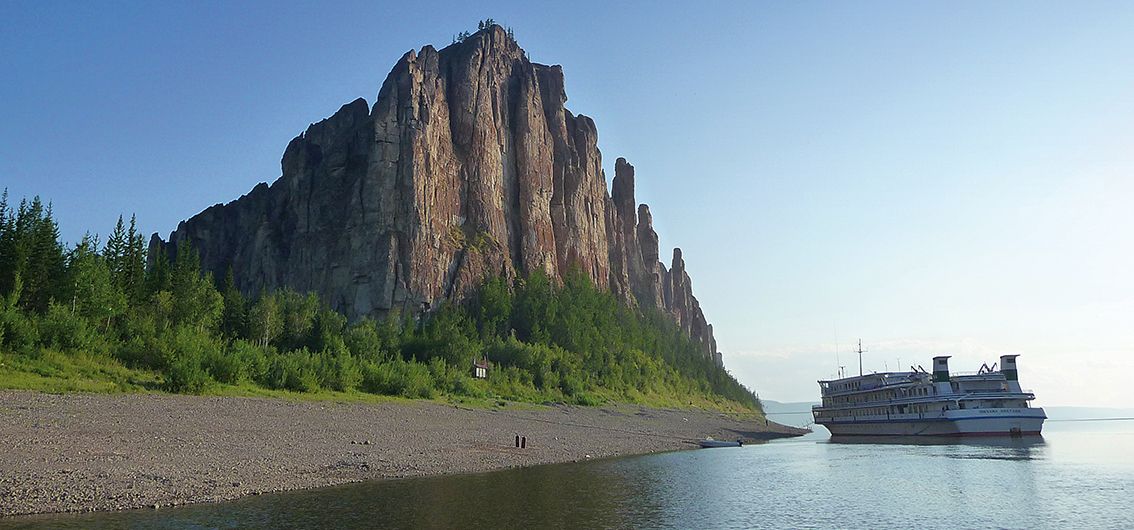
x: 709, y: 443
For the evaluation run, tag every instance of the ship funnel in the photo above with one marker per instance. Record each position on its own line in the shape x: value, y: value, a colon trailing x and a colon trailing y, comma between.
x: 941, y: 369
x: 1008, y: 368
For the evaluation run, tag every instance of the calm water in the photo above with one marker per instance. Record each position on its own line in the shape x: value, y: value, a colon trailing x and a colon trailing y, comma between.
x: 1079, y: 475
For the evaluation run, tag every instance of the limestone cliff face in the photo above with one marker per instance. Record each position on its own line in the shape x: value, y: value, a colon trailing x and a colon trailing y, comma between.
x: 468, y: 165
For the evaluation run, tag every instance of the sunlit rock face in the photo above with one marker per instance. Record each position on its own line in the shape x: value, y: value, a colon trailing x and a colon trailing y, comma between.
x: 467, y: 166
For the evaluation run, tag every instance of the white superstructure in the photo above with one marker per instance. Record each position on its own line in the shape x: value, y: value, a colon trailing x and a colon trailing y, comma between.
x: 916, y: 403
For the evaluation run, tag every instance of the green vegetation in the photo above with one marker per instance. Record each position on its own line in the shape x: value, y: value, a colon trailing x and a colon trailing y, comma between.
x: 480, y: 26
x: 96, y: 319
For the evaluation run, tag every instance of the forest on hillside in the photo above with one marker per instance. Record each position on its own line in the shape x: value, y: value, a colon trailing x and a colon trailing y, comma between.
x: 95, y: 310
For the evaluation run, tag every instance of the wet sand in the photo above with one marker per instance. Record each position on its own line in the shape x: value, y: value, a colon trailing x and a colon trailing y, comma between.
x: 87, y: 452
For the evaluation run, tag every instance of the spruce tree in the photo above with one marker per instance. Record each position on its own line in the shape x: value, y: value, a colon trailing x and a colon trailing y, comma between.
x: 3, y: 211
x: 134, y: 268
x: 157, y: 277
x: 196, y: 301
x: 7, y: 242
x: 234, y: 319
x: 115, y: 253
x: 39, y: 255
x: 15, y: 248
x: 93, y: 293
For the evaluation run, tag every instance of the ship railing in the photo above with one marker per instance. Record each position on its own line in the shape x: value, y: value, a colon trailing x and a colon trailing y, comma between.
x: 952, y: 373
x: 906, y: 416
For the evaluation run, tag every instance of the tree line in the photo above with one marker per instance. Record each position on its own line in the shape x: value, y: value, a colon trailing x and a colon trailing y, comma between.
x: 481, y: 26
x: 545, y: 340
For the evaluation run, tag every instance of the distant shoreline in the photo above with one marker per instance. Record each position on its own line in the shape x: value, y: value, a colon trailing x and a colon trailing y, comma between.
x: 98, y: 452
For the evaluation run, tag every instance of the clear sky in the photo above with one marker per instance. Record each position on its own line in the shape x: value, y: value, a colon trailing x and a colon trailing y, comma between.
x: 935, y: 178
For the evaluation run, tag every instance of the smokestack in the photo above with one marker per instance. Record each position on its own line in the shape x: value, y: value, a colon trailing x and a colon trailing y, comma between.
x: 941, y: 384
x: 941, y: 369
x: 1008, y: 368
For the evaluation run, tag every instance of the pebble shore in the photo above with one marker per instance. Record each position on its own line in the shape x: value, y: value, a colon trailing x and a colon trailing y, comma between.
x: 93, y: 452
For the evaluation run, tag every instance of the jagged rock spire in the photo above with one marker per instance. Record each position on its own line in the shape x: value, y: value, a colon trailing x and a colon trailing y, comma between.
x: 467, y: 165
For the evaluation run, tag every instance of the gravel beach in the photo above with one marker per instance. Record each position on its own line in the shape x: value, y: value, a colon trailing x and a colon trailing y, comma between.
x: 86, y: 452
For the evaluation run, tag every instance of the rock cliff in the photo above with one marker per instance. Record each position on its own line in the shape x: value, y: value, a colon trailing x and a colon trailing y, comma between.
x: 467, y: 165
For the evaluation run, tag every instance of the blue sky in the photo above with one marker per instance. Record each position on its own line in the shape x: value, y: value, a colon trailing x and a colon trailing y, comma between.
x: 933, y: 178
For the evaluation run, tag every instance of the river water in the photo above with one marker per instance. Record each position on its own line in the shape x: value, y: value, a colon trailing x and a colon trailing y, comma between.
x: 1078, y: 475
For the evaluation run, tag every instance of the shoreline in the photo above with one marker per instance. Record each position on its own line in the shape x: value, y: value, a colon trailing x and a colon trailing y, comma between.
x: 103, y: 452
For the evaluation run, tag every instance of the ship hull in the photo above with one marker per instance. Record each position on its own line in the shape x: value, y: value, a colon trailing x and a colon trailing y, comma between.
x: 955, y: 426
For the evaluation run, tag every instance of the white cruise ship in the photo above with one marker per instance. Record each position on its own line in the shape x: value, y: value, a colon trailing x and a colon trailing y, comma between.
x: 914, y: 403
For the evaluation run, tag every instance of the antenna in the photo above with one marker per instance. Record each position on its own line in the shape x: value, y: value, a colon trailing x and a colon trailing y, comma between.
x: 860, y: 352
x: 837, y: 362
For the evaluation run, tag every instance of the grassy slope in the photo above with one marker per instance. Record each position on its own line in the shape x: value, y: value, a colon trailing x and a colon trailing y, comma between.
x: 55, y: 372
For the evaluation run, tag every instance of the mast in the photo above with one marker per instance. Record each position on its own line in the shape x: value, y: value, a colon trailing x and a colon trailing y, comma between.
x: 860, y: 350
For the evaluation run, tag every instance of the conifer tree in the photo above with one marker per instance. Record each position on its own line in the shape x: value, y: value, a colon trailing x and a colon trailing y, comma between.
x: 535, y: 308
x: 134, y: 268
x: 493, y: 308
x: 115, y: 253
x: 3, y: 211
x: 196, y: 302
x: 157, y: 277
x: 7, y: 242
x: 38, y: 254
x: 234, y: 319
x: 93, y: 293
x: 14, y: 249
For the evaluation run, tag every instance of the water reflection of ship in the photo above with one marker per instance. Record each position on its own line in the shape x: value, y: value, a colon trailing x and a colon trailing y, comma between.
x: 1021, y: 445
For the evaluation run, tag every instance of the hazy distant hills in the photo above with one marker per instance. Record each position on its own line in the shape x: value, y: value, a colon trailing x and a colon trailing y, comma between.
x: 796, y: 414
x: 1084, y: 413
